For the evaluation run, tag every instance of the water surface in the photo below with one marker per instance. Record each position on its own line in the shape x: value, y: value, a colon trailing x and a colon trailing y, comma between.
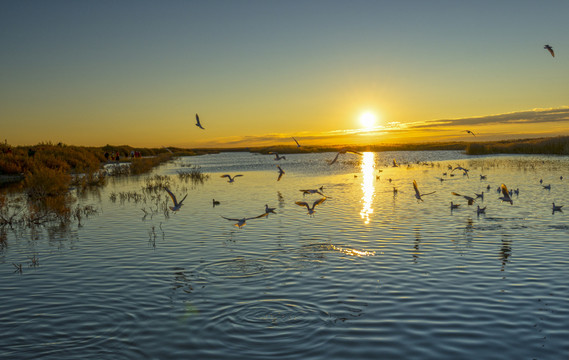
x: 373, y: 274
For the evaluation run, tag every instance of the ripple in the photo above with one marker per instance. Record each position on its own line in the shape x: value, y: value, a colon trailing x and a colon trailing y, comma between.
x: 240, y: 267
x: 272, y: 327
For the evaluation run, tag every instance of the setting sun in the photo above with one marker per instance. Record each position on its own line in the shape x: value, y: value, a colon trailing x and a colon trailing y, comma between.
x: 367, y: 120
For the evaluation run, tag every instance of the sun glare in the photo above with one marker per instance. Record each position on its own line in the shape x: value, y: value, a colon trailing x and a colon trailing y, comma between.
x: 367, y: 120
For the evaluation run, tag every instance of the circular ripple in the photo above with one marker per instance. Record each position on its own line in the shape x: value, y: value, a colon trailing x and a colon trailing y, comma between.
x: 272, y: 327
x: 240, y: 267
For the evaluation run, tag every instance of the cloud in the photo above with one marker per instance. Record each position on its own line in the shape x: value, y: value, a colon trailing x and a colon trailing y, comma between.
x: 534, y: 116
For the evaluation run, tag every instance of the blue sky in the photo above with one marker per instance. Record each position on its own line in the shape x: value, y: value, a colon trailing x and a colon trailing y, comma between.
x: 136, y: 72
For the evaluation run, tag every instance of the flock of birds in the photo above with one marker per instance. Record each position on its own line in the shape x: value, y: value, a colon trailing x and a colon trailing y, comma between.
x: 506, y: 194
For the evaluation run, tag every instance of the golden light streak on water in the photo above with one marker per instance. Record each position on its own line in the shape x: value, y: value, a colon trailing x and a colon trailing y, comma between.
x: 368, y: 187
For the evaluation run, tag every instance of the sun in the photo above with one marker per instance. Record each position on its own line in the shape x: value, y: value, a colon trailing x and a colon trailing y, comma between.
x: 367, y: 120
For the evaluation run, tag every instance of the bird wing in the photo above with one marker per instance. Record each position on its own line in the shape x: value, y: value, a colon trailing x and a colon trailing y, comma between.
x: 296, y: 141
x: 302, y: 203
x: 198, y: 122
x: 416, y: 188
x: 432, y: 192
x: 394, y: 162
x: 237, y: 175
x: 181, y: 201
x: 550, y: 49
x: 172, y: 196
x: 457, y: 194
x: 318, y: 202
x: 230, y: 219
x: 280, y: 176
x: 226, y: 175
x: 336, y: 158
x: 256, y: 217
x: 505, y: 191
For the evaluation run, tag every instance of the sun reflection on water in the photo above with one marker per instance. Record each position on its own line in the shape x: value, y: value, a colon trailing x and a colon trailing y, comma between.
x: 368, y: 188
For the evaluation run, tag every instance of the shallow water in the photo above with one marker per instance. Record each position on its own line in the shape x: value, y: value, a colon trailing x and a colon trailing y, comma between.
x: 372, y: 274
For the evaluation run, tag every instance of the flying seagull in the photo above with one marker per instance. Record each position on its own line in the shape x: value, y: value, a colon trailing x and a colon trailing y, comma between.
x: 231, y: 179
x: 177, y: 205
x: 343, y: 151
x: 550, y: 49
x: 297, y: 144
x: 505, y: 195
x: 243, y: 221
x: 557, y: 207
x: 314, y: 191
x: 470, y: 132
x: 470, y: 199
x: 198, y: 124
x: 311, y: 209
x: 418, y: 195
x: 281, y: 173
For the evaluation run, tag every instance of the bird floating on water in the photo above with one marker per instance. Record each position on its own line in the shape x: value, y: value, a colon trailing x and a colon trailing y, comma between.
x: 231, y: 179
x: 177, y: 205
x: 311, y: 209
x: 505, y: 194
x: 198, y: 124
x: 215, y: 202
x: 418, y: 195
x: 454, y: 206
x: 550, y: 49
x: 343, y: 151
x: 277, y: 157
x: 269, y: 210
x: 480, y: 210
x: 243, y: 221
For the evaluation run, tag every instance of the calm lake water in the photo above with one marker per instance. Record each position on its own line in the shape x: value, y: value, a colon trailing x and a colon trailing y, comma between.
x: 372, y: 275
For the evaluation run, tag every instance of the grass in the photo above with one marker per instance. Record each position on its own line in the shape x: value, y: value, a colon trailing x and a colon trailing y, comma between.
x: 546, y: 146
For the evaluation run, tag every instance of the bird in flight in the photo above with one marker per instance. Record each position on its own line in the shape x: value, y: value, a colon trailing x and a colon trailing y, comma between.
x: 297, y: 144
x: 315, y: 191
x: 465, y: 171
x: 470, y: 199
x: 557, y: 208
x: 470, y: 132
x: 243, y: 221
x: 395, y: 163
x: 311, y: 209
x: 343, y: 151
x: 418, y: 195
x: 281, y: 172
x: 231, y: 179
x: 198, y: 124
x: 177, y: 205
x: 505, y: 195
x: 550, y: 49
x: 277, y: 157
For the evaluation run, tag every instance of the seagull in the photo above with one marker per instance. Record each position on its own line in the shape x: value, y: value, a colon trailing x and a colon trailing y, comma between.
x: 481, y: 195
x: 482, y: 177
x: 304, y: 192
x: 418, y: 195
x: 198, y: 124
x: 215, y: 202
x: 550, y: 49
x: 311, y: 209
x: 547, y: 187
x: 465, y: 171
x: 277, y: 157
x: 281, y: 173
x: 231, y: 179
x: 343, y: 151
x: 269, y: 210
x: 297, y: 144
x: 243, y: 221
x: 468, y: 198
x: 470, y: 132
x: 557, y: 208
x: 480, y: 210
x: 395, y: 163
x: 505, y: 195
x: 177, y: 205
x: 454, y: 206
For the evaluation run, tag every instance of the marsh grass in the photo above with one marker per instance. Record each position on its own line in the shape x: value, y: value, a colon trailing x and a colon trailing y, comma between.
x: 193, y: 173
x: 554, y: 146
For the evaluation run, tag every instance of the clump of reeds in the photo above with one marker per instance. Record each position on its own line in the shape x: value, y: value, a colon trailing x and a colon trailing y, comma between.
x: 555, y: 146
x: 156, y: 183
x: 194, y: 174
x: 144, y: 165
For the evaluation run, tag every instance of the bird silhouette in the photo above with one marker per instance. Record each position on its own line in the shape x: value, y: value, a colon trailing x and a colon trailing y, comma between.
x: 297, y: 144
x: 505, y: 195
x: 198, y: 124
x: 177, y: 205
x: 311, y: 209
x: 343, y: 151
x: 231, y: 179
x: 418, y: 195
x: 550, y: 49
x: 243, y: 221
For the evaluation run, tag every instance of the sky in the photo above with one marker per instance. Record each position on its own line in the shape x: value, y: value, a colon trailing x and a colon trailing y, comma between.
x: 260, y: 72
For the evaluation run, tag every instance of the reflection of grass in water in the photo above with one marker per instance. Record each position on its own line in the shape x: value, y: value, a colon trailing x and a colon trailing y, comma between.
x: 193, y: 174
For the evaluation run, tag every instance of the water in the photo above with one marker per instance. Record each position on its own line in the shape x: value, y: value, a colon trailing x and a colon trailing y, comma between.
x: 372, y: 274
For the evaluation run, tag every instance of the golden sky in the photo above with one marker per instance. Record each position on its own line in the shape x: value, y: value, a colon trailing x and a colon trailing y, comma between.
x: 258, y: 72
